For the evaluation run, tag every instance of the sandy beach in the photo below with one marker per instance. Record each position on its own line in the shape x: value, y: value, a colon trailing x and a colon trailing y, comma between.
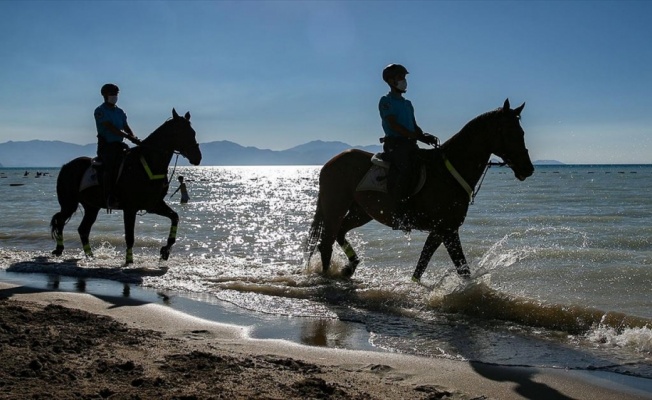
x: 79, y: 345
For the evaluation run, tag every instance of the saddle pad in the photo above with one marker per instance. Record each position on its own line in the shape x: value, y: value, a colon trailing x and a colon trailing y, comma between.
x: 89, y: 179
x: 376, y: 180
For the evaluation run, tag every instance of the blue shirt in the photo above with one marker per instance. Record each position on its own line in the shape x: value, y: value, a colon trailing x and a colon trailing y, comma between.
x: 392, y: 104
x: 114, y: 115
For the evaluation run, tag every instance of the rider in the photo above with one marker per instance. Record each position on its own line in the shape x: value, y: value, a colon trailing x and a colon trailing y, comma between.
x: 401, y: 135
x: 112, y: 128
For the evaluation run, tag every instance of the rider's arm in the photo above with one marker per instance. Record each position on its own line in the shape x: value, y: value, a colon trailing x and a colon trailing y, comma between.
x: 417, y: 134
x: 127, y: 133
x: 128, y: 129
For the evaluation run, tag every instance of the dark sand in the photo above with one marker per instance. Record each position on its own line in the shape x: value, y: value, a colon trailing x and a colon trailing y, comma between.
x: 58, y: 345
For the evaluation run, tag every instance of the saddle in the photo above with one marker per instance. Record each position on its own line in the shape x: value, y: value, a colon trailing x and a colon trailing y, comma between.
x: 376, y: 177
x: 94, y: 172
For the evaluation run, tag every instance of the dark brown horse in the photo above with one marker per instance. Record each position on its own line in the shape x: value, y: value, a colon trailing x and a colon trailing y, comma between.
x: 439, y: 207
x: 142, y: 185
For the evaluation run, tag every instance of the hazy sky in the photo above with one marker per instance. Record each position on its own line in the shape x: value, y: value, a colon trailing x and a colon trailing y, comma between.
x: 276, y: 74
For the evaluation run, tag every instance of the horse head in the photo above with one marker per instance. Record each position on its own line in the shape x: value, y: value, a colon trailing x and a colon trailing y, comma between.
x: 184, y: 140
x: 509, y: 141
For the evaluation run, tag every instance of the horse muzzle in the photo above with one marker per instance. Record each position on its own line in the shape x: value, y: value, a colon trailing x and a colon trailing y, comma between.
x: 193, y: 155
x: 522, y: 172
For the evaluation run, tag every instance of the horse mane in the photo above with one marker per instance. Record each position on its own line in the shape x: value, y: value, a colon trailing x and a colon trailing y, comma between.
x: 470, y: 127
x: 158, y: 130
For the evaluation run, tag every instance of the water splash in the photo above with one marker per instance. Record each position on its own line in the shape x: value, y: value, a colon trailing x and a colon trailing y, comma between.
x: 637, y: 338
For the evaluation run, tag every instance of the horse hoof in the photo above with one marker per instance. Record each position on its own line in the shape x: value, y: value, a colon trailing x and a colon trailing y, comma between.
x: 165, y: 253
x: 58, y: 250
x: 349, y: 270
x: 464, y: 272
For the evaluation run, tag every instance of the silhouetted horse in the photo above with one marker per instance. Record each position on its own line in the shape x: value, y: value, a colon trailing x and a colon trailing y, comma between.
x: 439, y: 207
x: 142, y: 185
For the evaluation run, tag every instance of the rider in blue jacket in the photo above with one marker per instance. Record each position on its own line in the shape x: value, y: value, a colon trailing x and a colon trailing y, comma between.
x: 401, y: 135
x: 112, y: 128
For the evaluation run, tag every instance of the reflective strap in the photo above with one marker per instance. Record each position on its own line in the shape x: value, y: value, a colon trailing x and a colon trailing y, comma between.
x: 348, y: 250
x: 149, y: 171
x: 458, y: 177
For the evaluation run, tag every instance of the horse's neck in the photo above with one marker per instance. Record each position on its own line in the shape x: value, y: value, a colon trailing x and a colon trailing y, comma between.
x: 156, y: 153
x: 469, y: 152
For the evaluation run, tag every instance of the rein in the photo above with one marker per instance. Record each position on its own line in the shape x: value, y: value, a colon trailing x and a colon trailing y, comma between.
x: 175, y: 166
x: 470, y: 191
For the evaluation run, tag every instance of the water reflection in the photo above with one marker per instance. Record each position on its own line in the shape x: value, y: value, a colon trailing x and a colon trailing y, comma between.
x: 53, y: 282
x: 80, y: 285
x: 326, y: 333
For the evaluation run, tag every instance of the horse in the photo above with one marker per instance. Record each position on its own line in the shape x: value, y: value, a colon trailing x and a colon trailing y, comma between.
x: 439, y: 207
x: 142, y: 185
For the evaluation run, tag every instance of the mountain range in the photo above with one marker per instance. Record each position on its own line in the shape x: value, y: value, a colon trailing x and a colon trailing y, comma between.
x: 44, y: 153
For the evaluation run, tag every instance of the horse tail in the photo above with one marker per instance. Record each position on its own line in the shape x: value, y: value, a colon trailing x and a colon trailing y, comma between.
x: 67, y: 195
x: 316, y: 229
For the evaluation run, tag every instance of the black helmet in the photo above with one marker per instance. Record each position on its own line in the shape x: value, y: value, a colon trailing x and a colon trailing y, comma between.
x: 109, y: 89
x: 392, y: 70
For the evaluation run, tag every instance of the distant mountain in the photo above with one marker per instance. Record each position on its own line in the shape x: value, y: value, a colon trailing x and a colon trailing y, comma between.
x: 547, y: 162
x: 39, y: 153
x: 42, y: 153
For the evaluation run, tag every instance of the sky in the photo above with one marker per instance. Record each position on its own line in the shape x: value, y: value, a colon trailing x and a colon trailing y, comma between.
x: 277, y: 74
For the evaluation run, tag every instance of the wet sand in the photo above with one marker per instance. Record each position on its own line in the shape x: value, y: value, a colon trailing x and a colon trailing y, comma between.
x: 63, y: 345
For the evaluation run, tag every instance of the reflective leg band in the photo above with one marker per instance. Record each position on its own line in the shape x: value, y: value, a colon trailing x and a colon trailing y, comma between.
x: 87, y: 249
x: 173, y: 232
x: 130, y: 255
x: 348, y: 250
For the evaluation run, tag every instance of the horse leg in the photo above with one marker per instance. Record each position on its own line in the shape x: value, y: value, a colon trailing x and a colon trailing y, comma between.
x: 454, y: 248
x: 356, y: 217
x: 432, y: 243
x: 164, y: 210
x: 129, y: 218
x: 332, y: 214
x: 84, y: 230
x: 57, y: 224
x: 325, y: 248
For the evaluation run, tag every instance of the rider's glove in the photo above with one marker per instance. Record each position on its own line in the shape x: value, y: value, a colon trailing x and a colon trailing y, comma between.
x: 430, y: 139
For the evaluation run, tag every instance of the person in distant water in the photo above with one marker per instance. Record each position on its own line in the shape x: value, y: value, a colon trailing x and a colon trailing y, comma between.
x: 183, y: 189
x: 112, y: 128
x: 401, y: 136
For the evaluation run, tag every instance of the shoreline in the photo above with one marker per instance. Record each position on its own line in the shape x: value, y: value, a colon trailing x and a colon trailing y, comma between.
x: 342, y: 373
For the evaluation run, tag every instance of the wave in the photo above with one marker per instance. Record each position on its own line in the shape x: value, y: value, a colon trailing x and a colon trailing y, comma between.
x: 291, y: 290
x: 480, y: 301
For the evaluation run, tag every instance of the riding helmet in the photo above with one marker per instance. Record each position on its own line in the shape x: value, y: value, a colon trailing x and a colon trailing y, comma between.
x: 392, y: 70
x: 109, y: 90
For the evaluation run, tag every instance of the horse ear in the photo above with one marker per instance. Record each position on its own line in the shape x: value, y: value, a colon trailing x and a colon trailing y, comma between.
x: 174, y: 114
x: 187, y: 116
x: 518, y: 109
x: 506, y: 105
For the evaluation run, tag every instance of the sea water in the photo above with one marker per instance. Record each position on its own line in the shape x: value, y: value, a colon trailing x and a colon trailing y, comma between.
x: 561, y: 264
